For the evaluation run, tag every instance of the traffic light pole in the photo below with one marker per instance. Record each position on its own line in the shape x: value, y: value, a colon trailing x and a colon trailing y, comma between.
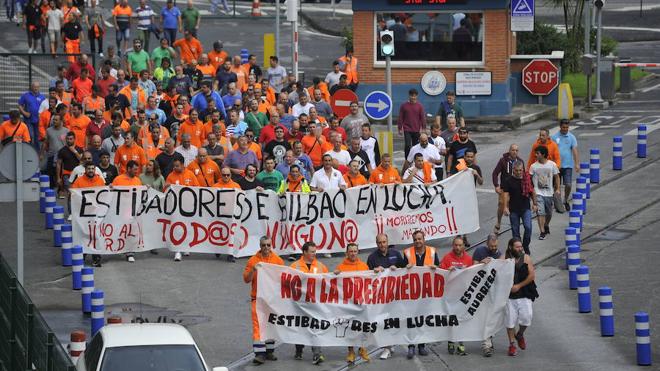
x: 388, y: 82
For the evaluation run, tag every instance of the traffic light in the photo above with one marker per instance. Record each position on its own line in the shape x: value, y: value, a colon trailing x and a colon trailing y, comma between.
x: 387, y: 43
x: 599, y: 3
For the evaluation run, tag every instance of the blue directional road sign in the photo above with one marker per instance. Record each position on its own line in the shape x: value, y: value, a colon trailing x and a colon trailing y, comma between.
x: 378, y: 105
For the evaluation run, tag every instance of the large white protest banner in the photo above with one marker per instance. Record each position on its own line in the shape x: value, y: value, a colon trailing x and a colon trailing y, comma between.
x: 405, y: 306
x: 227, y: 221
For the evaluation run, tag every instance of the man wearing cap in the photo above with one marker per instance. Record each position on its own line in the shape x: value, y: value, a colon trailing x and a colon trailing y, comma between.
x: 457, y: 150
x: 217, y: 56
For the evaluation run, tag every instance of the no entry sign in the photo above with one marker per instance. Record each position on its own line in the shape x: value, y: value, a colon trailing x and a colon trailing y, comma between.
x: 341, y: 102
x: 540, y: 77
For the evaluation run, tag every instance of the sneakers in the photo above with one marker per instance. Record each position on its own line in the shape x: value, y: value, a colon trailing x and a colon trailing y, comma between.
x: 177, y: 257
x: 512, y: 350
x: 270, y: 356
x: 318, y: 359
x: 101, y: 55
x: 231, y: 259
x: 96, y: 261
x: 298, y: 356
x: 451, y: 348
x: 350, y: 358
x: 547, y: 230
x: 411, y: 352
x: 259, y: 359
x: 460, y: 350
x: 567, y: 206
x: 521, y: 341
x: 488, y: 352
x: 130, y: 259
x: 291, y: 258
x: 364, y: 354
x: 386, y: 353
x: 153, y: 252
x: 421, y: 349
x: 542, y: 236
x: 186, y: 254
x: 327, y: 255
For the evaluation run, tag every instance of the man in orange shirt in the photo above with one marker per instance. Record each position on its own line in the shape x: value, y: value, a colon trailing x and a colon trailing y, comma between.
x: 544, y: 140
x: 385, y: 173
x: 130, y: 178
x: 263, y: 350
x: 129, y: 151
x: 15, y: 129
x: 94, y: 101
x: 189, y: 48
x: 225, y: 180
x: 315, y: 145
x: 82, y: 86
x: 348, y: 64
x: 206, y: 171
x: 217, y: 56
x: 241, y: 76
x: 155, y: 141
x: 180, y: 175
x: 135, y: 94
x: 194, y: 127
x: 78, y: 123
x: 309, y: 264
x: 353, y: 178
x: 214, y: 119
x: 90, y: 179
x: 352, y: 263
x: 206, y: 68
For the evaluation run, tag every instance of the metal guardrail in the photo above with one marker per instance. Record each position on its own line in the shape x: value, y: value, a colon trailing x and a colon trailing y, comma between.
x: 26, y: 340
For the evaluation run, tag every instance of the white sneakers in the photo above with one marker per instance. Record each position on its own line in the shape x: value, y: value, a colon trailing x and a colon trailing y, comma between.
x: 177, y: 257
x: 386, y: 353
x: 130, y: 259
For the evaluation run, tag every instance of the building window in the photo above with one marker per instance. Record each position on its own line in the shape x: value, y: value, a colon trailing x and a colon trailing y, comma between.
x: 432, y: 39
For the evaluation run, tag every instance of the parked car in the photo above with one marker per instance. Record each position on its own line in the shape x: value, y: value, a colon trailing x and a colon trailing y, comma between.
x: 143, y: 347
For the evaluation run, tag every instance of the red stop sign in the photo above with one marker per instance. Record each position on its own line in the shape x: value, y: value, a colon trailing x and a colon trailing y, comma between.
x: 540, y: 77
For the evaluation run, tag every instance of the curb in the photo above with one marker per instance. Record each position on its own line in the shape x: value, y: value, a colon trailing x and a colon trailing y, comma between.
x: 317, y: 27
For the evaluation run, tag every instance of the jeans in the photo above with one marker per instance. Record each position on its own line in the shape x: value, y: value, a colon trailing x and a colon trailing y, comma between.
x: 410, y: 138
x: 170, y: 35
x: 315, y: 350
x: 215, y: 4
x: 10, y: 8
x: 93, y: 40
x: 526, y: 216
x: 33, y: 128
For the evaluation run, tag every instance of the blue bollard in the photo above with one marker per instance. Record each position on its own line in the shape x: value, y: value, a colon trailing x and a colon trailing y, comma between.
x: 244, y: 56
x: 584, y: 293
x: 584, y: 203
x: 594, y: 165
x: 581, y: 185
x: 51, y: 202
x: 606, y: 311
x: 87, y: 288
x: 77, y: 262
x: 571, y: 237
x: 67, y: 245
x: 58, y: 222
x: 574, y: 220
x: 35, y: 177
x: 98, y: 311
x: 643, y: 338
x: 617, y: 153
x: 641, y: 141
x: 578, y: 202
x: 44, y: 184
x: 585, y: 172
x: 573, y: 261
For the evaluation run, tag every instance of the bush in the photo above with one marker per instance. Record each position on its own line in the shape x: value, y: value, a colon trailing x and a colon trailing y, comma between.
x: 543, y: 40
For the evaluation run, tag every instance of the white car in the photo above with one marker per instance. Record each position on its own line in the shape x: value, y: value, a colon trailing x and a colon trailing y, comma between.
x: 143, y: 347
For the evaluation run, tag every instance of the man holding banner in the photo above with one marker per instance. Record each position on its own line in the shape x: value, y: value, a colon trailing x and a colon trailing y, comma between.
x: 420, y: 255
x: 309, y: 264
x: 262, y: 350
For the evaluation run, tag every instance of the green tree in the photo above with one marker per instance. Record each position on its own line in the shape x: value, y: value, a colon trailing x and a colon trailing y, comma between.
x: 573, y: 11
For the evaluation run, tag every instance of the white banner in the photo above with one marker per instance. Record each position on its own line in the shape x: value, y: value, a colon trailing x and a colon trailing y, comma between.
x: 226, y: 221
x: 405, y: 306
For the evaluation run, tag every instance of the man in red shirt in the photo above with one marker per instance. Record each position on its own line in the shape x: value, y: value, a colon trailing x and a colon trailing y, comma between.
x: 456, y: 259
x: 105, y: 81
x: 267, y: 133
x: 82, y: 86
x: 79, y: 65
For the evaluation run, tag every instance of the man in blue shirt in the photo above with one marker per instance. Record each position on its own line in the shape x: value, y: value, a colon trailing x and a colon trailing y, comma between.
x: 568, y: 153
x: 170, y: 17
x: 199, y: 100
x: 29, y: 104
x: 231, y: 96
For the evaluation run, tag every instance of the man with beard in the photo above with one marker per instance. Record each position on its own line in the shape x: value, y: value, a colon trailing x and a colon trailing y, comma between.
x: 523, y: 293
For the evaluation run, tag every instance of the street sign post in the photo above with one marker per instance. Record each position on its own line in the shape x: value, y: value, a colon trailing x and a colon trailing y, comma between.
x: 540, y: 77
x: 378, y: 105
x: 522, y: 15
x: 341, y: 102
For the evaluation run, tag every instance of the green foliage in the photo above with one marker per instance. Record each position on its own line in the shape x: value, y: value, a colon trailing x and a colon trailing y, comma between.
x: 608, y: 44
x: 347, y: 38
x: 543, y: 40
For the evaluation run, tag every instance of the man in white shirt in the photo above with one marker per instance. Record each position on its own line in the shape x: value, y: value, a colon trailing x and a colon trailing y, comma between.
x: 332, y: 78
x: 545, y: 177
x: 341, y: 155
x: 439, y: 143
x: 302, y: 106
x: 420, y: 173
x: 429, y: 152
x: 187, y: 150
x: 327, y: 177
x: 276, y: 74
x: 80, y: 169
x: 369, y: 144
x: 111, y: 143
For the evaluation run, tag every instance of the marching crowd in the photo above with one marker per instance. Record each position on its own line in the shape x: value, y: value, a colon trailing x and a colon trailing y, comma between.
x: 181, y: 115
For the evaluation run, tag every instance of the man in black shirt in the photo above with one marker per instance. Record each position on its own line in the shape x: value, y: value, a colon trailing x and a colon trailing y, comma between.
x: 215, y: 151
x: 116, y: 102
x: 175, y: 120
x: 277, y: 147
x: 518, y: 191
x: 458, y: 148
x: 32, y: 17
x: 68, y: 157
x: 166, y: 158
x: 250, y: 181
x: 109, y: 170
x: 359, y: 155
x: 71, y: 35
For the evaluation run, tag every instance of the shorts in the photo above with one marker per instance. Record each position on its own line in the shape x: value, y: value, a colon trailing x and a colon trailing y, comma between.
x: 123, y: 34
x: 54, y: 35
x: 566, y: 175
x: 545, y: 204
x: 518, y: 312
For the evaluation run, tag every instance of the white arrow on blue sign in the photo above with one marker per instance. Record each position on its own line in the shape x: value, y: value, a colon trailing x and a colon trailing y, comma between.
x: 378, y: 105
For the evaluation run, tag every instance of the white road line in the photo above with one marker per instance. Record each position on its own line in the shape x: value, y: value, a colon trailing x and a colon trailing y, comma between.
x: 637, y: 101
x: 649, y: 129
x: 648, y: 89
x: 609, y: 126
x: 590, y: 134
x: 633, y: 111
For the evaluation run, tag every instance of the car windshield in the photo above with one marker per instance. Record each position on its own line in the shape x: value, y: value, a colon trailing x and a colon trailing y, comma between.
x: 152, y: 357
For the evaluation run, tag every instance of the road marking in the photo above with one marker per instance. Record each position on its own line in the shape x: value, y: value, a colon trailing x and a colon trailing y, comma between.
x: 649, y: 129
x: 638, y: 101
x: 633, y: 111
x: 609, y: 126
x: 485, y: 190
x: 648, y: 89
x: 590, y: 134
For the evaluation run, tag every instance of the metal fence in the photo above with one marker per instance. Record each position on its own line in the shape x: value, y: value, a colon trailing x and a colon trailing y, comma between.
x: 19, y: 70
x: 26, y: 340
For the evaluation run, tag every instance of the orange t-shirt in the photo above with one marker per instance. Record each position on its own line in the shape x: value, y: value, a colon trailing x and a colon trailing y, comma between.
x: 78, y: 125
x: 90, y: 104
x: 208, y: 128
x: 229, y: 184
x: 22, y: 133
x: 315, y: 148
x: 190, y: 50
x: 252, y: 146
x: 124, y: 180
x: 196, y: 131
x: 241, y: 77
x: 382, y: 176
x: 354, y: 181
x: 124, y: 154
x: 85, y: 182
x: 82, y: 88
x: 349, y: 266
x: 207, y: 173
x: 208, y: 71
x: 217, y: 59
x: 44, y: 123
x: 254, y: 260
x: 184, y: 178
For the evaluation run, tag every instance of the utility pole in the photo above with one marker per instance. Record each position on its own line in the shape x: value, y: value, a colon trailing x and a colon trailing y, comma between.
x: 599, y: 16
x: 587, y: 26
x: 388, y: 82
x: 277, y: 28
